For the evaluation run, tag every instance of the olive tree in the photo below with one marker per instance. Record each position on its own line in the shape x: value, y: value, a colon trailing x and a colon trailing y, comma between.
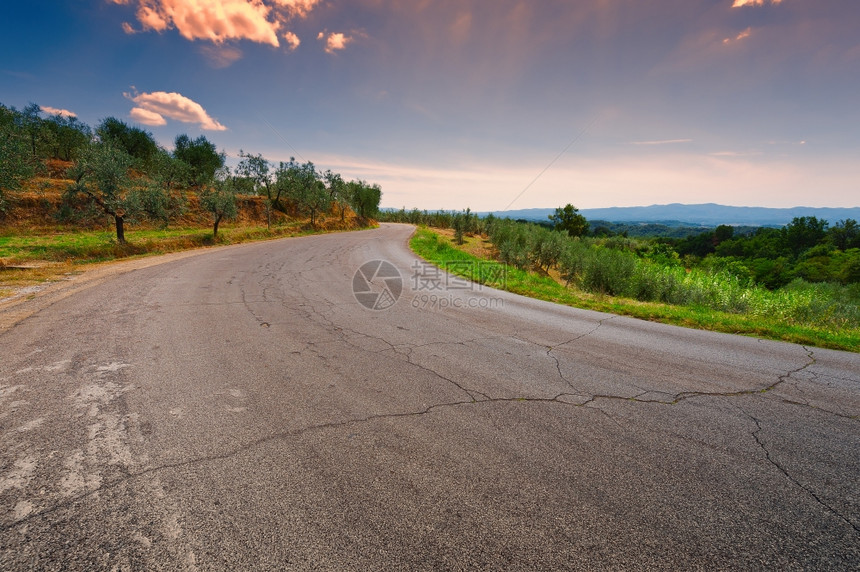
x: 102, y: 175
x: 16, y: 162
x: 257, y: 172
x: 220, y: 198
x: 305, y: 188
x: 201, y: 156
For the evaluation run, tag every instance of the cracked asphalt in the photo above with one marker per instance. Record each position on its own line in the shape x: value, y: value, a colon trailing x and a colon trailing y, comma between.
x: 239, y: 409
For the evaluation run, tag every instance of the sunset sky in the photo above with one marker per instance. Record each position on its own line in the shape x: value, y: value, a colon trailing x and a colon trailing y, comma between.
x: 488, y: 104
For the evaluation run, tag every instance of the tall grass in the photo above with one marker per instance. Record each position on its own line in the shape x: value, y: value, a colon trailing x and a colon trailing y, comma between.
x: 615, y: 278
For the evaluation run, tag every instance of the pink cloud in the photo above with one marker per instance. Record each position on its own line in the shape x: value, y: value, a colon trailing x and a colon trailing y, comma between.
x: 55, y: 111
x: 293, y: 40
x: 214, y: 20
x: 147, y: 117
x: 334, y: 41
x: 154, y: 107
x: 219, y: 21
x: 742, y: 36
x: 300, y: 8
x: 742, y: 3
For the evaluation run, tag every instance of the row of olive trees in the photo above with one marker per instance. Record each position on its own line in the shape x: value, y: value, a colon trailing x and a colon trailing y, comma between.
x: 120, y: 171
x: 310, y: 191
x: 649, y: 271
x: 466, y: 221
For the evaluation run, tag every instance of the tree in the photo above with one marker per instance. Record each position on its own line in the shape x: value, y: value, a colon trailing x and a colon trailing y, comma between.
x: 364, y: 198
x: 845, y: 234
x: 569, y: 220
x: 803, y: 233
x: 69, y: 136
x: 201, y: 156
x: 458, y: 222
x: 305, y: 188
x: 36, y: 130
x: 220, y: 198
x: 337, y: 191
x: 136, y: 142
x: 163, y: 197
x: 16, y: 162
x: 257, y: 171
x: 102, y: 175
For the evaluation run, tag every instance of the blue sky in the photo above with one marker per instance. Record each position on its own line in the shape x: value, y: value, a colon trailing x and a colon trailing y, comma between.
x: 487, y: 104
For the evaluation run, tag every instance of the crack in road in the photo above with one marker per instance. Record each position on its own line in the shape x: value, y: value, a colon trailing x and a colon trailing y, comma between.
x: 577, y: 338
x: 558, y: 399
x: 793, y: 480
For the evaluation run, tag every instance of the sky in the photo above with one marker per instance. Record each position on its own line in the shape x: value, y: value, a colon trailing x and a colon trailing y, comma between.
x: 486, y: 104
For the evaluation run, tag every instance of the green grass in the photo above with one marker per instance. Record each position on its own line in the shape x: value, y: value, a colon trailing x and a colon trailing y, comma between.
x: 439, y: 250
x: 81, y: 247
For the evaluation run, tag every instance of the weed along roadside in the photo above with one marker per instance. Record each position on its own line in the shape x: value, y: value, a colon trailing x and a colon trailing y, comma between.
x: 804, y: 327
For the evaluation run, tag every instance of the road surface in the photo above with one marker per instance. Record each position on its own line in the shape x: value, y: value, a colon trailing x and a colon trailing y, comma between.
x: 241, y: 409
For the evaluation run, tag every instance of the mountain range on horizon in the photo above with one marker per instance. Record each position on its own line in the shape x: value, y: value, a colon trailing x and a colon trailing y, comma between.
x: 708, y: 214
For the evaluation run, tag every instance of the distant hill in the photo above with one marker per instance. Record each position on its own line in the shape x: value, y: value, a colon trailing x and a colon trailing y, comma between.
x: 701, y: 215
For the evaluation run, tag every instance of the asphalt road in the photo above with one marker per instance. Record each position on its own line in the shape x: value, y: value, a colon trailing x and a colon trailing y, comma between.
x: 241, y: 409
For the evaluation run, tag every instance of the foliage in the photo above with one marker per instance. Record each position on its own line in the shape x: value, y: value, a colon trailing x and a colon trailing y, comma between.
x: 258, y: 180
x: 16, y: 163
x: 220, y: 199
x: 102, y: 175
x: 134, y: 141
x: 201, y: 157
x: 121, y: 171
x: 826, y: 315
x: 305, y: 188
x: 567, y: 219
x: 364, y: 198
x: 652, y: 272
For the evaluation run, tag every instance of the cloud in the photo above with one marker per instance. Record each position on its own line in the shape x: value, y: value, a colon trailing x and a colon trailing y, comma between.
x: 153, y: 107
x: 743, y: 35
x: 54, y: 111
x: 147, y: 117
x: 662, y: 142
x: 334, y: 41
x: 219, y: 21
x: 742, y: 3
x: 293, y: 40
x: 300, y: 8
x: 221, y: 56
x: 736, y: 154
x: 213, y: 20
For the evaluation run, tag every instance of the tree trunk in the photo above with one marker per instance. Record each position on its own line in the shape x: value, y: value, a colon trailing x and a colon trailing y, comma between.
x: 120, y: 230
x: 215, y: 227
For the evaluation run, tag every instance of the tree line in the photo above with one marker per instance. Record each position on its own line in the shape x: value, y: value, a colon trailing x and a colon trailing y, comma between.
x: 120, y: 171
x: 808, y: 248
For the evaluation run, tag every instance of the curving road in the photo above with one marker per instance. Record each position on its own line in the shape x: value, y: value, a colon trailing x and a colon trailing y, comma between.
x: 240, y: 409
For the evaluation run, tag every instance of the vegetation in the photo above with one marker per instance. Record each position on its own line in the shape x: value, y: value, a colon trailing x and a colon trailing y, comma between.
x: 568, y: 219
x: 649, y: 279
x: 71, y: 195
x: 118, y: 171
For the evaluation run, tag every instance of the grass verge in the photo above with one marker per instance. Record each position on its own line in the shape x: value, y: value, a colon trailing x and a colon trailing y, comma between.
x: 439, y: 250
x: 36, y: 256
